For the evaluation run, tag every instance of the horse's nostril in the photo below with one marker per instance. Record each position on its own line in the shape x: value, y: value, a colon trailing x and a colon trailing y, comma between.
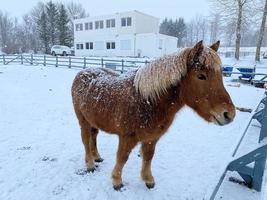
x: 226, y: 116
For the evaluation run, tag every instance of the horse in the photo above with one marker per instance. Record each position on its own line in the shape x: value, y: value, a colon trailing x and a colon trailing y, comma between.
x: 139, y: 106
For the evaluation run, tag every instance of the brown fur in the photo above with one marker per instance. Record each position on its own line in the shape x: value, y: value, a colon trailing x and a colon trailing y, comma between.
x: 138, y: 112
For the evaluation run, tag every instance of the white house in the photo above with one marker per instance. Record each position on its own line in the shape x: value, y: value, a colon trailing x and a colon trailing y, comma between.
x: 122, y: 34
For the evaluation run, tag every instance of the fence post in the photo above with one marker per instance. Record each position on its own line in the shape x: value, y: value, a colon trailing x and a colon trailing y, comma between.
x: 69, y: 62
x: 21, y: 57
x: 44, y: 60
x: 84, y: 62
x: 31, y: 59
x: 56, y: 61
x: 102, y: 62
x: 146, y: 62
x: 4, y: 60
x: 122, y: 66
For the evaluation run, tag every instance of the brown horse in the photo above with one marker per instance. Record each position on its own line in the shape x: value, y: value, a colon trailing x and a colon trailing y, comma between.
x: 140, y: 106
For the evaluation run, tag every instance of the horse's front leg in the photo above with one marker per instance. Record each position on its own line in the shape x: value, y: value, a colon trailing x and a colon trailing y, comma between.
x: 147, y: 151
x: 126, y: 144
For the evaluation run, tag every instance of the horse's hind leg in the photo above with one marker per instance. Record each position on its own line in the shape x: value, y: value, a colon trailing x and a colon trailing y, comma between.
x: 126, y: 144
x: 86, y: 139
x: 94, y: 133
x: 147, y: 150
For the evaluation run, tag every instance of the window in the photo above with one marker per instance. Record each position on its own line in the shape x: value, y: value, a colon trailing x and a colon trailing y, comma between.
x: 126, y: 21
x: 99, y: 45
x: 79, y: 46
x: 79, y: 27
x: 88, y: 26
x: 110, y: 23
x: 110, y: 45
x: 129, y: 21
x: 99, y: 24
x: 89, y: 45
x: 123, y: 21
x: 125, y: 44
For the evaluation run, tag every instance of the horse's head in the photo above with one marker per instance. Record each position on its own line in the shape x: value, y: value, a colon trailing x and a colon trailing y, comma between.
x: 204, y: 90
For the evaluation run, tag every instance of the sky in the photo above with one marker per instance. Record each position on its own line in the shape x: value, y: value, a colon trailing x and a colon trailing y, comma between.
x: 158, y: 8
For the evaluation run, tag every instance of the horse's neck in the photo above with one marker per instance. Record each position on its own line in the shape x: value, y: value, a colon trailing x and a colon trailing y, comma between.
x: 171, y: 102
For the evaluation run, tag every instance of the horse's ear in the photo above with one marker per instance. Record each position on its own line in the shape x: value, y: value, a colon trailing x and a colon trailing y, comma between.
x: 215, y: 46
x: 197, y: 50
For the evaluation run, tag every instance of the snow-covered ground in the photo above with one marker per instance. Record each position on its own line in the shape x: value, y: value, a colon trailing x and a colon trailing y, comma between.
x: 41, y: 153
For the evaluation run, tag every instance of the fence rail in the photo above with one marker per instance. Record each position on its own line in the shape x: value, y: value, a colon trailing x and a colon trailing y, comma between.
x: 121, y: 65
x: 77, y: 62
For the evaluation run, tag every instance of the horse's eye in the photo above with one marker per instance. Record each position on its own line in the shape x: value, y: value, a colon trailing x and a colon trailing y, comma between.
x: 201, y: 77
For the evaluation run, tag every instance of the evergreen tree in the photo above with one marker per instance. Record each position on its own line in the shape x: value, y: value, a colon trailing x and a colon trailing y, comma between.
x: 175, y: 28
x: 52, y: 16
x: 43, y: 31
x: 163, y: 28
x: 64, y: 35
x: 180, y: 31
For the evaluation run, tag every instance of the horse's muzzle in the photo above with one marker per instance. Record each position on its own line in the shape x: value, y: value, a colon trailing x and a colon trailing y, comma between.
x: 224, y: 117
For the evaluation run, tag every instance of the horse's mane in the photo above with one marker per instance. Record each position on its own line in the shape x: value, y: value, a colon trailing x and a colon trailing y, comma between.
x: 154, y: 79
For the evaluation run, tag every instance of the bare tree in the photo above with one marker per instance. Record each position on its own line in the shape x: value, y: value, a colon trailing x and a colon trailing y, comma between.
x: 75, y: 11
x: 6, y: 27
x: 189, y: 35
x: 234, y: 9
x: 197, y: 29
x: 214, y: 26
x: 261, y: 33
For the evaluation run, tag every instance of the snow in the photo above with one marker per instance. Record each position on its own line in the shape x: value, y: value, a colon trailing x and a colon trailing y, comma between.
x: 42, y: 156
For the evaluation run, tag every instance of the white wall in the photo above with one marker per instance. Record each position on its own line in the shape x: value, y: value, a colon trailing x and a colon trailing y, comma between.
x: 141, y: 23
x: 146, y: 23
x: 149, y: 44
x: 141, y: 37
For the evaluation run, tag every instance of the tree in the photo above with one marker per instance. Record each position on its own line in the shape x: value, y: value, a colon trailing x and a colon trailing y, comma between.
x: 164, y: 26
x: 197, y: 30
x: 75, y: 11
x: 64, y: 36
x: 6, y: 26
x: 215, y: 24
x: 52, y: 16
x: 180, y: 31
x: 30, y: 38
x: 261, y: 33
x: 175, y: 28
x: 43, y: 31
x: 236, y: 9
x: 190, y: 35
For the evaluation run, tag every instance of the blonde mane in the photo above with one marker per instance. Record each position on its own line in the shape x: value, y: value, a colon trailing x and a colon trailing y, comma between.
x: 154, y: 79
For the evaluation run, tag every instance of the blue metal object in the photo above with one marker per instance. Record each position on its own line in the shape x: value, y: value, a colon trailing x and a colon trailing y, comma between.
x: 251, y: 175
x: 245, y: 71
x: 261, y: 117
x: 227, y: 70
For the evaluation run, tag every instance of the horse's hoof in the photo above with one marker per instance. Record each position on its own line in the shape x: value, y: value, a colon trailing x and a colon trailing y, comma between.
x: 118, y: 187
x: 150, y: 185
x: 91, y: 170
x: 98, y: 160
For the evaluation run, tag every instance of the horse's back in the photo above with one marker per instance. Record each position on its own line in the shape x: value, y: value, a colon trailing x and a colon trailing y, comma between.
x: 101, y: 93
x: 85, y: 77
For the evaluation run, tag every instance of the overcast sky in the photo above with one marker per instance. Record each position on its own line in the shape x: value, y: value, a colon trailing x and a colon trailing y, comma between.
x: 159, y: 8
